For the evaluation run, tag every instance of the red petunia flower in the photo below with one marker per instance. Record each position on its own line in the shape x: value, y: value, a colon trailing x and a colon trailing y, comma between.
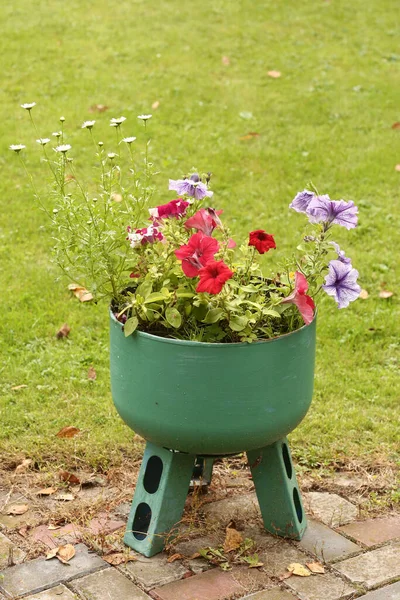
x: 175, y: 208
x: 304, y: 303
x: 213, y: 277
x: 199, y: 250
x: 261, y: 240
x: 205, y: 220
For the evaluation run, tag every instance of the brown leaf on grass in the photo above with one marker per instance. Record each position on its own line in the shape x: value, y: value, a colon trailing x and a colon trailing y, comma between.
x: 299, y: 569
x: 155, y: 105
x: 233, y: 540
x: 69, y: 477
x: 63, y: 332
x: 92, y: 374
x: 46, y: 491
x: 68, y: 432
x: 397, y: 167
x: 364, y: 294
x: 316, y: 567
x: 226, y: 61
x: 64, y: 497
x: 18, y: 509
x: 119, y: 558
x: 24, y: 466
x: 396, y: 125
x: 116, y: 197
x: 19, y: 387
x: 65, y: 553
x: 98, y: 108
x: 80, y: 292
x: 250, y: 136
x: 274, y: 74
x: 385, y: 294
x: 69, y: 177
x: 175, y: 557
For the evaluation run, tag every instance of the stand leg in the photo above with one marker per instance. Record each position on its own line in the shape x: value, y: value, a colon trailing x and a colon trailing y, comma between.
x: 277, y: 490
x: 202, y: 472
x: 159, y: 498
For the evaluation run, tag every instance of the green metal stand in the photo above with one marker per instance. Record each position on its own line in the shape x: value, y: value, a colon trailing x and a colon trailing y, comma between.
x: 164, y: 480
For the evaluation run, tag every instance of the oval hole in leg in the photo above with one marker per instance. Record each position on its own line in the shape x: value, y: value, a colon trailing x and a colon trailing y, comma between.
x: 152, y: 476
x: 297, y: 504
x: 287, y: 461
x: 141, y: 522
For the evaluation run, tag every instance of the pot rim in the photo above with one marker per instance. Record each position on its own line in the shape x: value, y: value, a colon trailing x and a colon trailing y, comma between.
x: 159, y: 338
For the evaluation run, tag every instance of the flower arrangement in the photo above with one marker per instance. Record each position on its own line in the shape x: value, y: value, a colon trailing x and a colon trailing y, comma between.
x: 174, y: 269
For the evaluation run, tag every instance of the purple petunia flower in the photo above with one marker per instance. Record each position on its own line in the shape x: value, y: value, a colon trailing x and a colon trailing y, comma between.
x: 339, y: 212
x: 192, y: 187
x: 341, y: 255
x: 301, y: 201
x: 341, y: 283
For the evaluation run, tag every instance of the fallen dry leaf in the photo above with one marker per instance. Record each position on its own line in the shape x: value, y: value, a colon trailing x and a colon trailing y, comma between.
x: 155, y: 105
x: 64, y: 497
x: 63, y: 332
x: 116, y: 197
x: 69, y: 177
x: 52, y: 553
x: 233, y: 539
x: 18, y: 509
x: 23, y: 531
x: 69, y: 477
x: 68, y: 432
x: 396, y: 125
x: 46, y: 491
x: 316, y: 567
x: 385, y: 294
x: 175, y: 557
x: 285, y: 575
x: 226, y: 61
x: 26, y: 463
x: 19, y: 387
x: 65, y: 553
x: 274, y: 74
x: 98, y: 108
x: 52, y: 527
x: 249, y: 136
x: 119, y: 558
x: 195, y: 555
x: 299, y: 569
x: 80, y: 292
x: 92, y: 374
x: 397, y: 167
x: 364, y: 294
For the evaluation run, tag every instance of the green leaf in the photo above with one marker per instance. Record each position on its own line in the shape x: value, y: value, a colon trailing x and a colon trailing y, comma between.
x: 237, y: 323
x: 155, y: 297
x: 213, y: 315
x: 144, y: 289
x: 130, y: 326
x: 184, y: 294
x: 271, y: 313
x: 173, y: 317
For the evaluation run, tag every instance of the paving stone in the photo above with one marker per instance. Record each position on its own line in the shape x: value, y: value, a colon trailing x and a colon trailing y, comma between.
x: 190, y: 547
x: 276, y: 558
x: 109, y: 584
x: 320, y: 587
x: 211, y: 585
x: 104, y: 524
x: 8, y: 549
x: 325, y: 543
x: 37, y: 575
x: 373, y: 568
x: 237, y: 508
x: 122, y: 510
x: 374, y: 531
x: 68, y: 534
x: 389, y: 592
x: 155, y: 571
x: 331, y: 509
x: 274, y: 594
x: 56, y: 593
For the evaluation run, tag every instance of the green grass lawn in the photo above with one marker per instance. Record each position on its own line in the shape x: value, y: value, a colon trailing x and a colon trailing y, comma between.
x: 327, y: 118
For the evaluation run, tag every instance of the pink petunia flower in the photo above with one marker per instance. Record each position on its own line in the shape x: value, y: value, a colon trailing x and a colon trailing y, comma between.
x: 205, y: 220
x: 196, y: 253
x: 174, y: 208
x: 304, y: 303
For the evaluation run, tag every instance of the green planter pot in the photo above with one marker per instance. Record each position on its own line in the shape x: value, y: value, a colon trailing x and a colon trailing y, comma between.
x: 193, y: 400
x: 212, y: 398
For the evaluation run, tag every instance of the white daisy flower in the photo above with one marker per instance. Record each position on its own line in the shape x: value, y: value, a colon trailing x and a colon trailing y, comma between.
x: 43, y: 141
x: 57, y: 134
x: 144, y: 117
x: 63, y: 148
x: 112, y: 155
x: 100, y: 144
x: 117, y: 122
x: 28, y: 105
x: 88, y: 124
x: 62, y: 119
x: 17, y: 147
x: 129, y: 140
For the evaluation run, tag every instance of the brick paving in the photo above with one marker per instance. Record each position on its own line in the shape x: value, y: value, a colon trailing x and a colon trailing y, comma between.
x: 361, y: 557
